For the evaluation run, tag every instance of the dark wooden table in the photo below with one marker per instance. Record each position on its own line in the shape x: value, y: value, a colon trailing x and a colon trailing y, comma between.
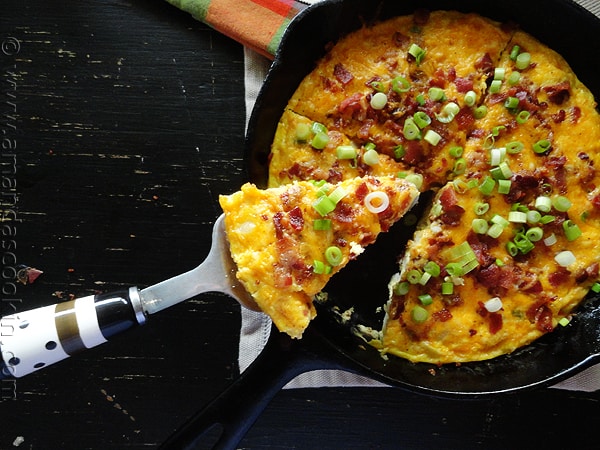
x: 127, y: 121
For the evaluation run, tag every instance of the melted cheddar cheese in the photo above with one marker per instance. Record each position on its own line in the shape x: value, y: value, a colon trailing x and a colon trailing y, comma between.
x: 499, y: 126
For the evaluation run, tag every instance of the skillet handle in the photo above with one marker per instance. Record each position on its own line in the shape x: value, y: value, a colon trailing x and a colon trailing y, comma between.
x: 239, y: 406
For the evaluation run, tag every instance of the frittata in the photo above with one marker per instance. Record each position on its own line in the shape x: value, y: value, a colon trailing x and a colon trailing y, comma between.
x: 499, y: 126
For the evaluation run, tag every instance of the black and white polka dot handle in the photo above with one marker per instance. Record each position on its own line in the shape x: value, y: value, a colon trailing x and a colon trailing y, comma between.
x: 37, y: 338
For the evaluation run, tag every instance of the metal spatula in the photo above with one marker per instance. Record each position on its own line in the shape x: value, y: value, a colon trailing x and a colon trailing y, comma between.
x: 35, y: 339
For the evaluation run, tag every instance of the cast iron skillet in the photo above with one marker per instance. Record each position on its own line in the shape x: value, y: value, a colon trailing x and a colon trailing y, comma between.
x: 330, y: 344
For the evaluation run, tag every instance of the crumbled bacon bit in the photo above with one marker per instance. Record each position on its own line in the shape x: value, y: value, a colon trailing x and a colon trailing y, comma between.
x: 558, y: 93
x: 485, y: 64
x: 296, y: 219
x: 541, y: 314
x: 342, y: 74
x: 443, y: 315
x: 463, y: 85
x: 560, y: 276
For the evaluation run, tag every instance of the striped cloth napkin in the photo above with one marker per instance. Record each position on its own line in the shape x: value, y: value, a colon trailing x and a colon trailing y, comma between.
x: 259, y: 26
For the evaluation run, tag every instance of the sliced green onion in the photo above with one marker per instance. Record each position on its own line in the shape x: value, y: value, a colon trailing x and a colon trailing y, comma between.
x: 469, y: 266
x: 377, y: 85
x: 459, y: 252
x: 494, y: 304
x: 571, y: 229
x: 534, y: 234
x: 337, y: 194
x: 460, y: 165
x: 511, y: 103
x: 514, y: 78
x: 506, y: 170
x: 470, y: 98
x: 481, y: 208
x: 517, y: 217
x: 543, y: 203
x: 401, y: 288
x: 533, y: 217
x: 432, y: 137
x: 425, y: 299
x: 436, y: 94
x: 542, y: 146
x: 400, y: 85
x: 419, y: 314
x: 322, y: 224
x: 318, y: 267
x: 454, y: 269
x: 497, y: 155
x: 447, y: 288
x: 495, y: 230
x: 565, y: 258
x: 504, y: 186
x: 480, y: 226
x: 413, y: 276
x: 425, y: 277
x: 324, y: 205
x: 523, y: 60
x: 320, y: 140
x: 421, y: 119
x: 411, y: 130
x: 547, y: 219
x: 399, y: 152
x: 523, y: 243
x: 480, y: 112
x: 595, y: 288
x: 318, y: 127
x: 449, y: 111
x: 371, y: 157
x: 416, y: 179
x: 487, y: 185
x: 514, y: 147
x: 346, y: 152
x: 420, y: 99
x: 456, y: 152
x: 495, y: 86
x: 378, y: 101
x: 499, y: 73
x: 523, y: 117
x: 498, y: 219
x: 512, y: 249
x: 514, y: 52
x: 302, y: 132
x: 561, y: 203
x: 334, y: 255
x: 550, y: 240
x: 417, y: 52
x: 564, y: 321
x: 432, y: 268
x: 459, y: 185
x: 370, y: 146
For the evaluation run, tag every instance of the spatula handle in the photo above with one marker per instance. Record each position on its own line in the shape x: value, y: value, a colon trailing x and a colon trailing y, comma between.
x: 37, y: 338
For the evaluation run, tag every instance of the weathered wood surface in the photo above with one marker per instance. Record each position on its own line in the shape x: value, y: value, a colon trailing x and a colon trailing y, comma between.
x: 127, y: 122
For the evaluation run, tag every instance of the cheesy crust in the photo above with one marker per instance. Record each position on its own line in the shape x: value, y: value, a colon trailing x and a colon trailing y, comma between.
x: 282, y: 242
x: 499, y: 126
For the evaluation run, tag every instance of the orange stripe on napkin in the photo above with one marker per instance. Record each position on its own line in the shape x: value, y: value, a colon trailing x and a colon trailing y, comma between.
x: 249, y: 20
x: 258, y: 24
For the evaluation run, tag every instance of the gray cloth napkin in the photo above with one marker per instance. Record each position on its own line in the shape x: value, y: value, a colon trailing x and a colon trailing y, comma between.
x: 256, y: 327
